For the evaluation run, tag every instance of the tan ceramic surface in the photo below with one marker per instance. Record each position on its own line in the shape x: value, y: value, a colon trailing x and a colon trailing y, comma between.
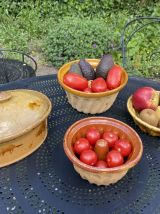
x: 23, y: 123
x: 145, y: 127
x: 103, y: 178
x: 22, y: 112
x: 19, y: 148
x: 91, y: 105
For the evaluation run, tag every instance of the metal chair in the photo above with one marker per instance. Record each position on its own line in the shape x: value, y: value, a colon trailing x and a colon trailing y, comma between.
x: 136, y: 63
x: 16, y: 65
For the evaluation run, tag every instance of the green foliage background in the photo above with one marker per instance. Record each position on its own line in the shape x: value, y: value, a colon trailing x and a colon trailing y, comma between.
x: 68, y: 29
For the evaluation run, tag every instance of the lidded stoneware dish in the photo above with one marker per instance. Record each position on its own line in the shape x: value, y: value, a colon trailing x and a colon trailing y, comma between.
x: 23, y: 123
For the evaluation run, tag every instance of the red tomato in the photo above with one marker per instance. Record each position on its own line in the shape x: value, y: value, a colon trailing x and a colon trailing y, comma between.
x: 81, y: 145
x: 75, y: 81
x: 110, y: 137
x: 93, y: 135
x: 123, y: 146
x: 101, y: 148
x: 101, y: 164
x: 91, y: 147
x: 114, y: 77
x: 114, y: 158
x: 87, y: 90
x: 89, y: 157
x: 99, y: 85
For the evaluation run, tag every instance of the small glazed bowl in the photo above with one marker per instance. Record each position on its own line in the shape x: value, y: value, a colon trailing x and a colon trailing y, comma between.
x: 93, y: 174
x: 90, y: 102
x: 145, y: 127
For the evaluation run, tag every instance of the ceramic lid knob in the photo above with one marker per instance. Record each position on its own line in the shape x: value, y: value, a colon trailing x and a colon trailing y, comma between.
x: 4, y: 96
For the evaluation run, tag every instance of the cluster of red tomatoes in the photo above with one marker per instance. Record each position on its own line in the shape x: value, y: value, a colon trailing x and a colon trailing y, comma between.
x: 78, y: 82
x: 102, y: 150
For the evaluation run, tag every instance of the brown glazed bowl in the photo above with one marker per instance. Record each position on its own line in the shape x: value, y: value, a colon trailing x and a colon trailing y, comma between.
x: 92, y: 103
x: 93, y: 174
x: 23, y: 123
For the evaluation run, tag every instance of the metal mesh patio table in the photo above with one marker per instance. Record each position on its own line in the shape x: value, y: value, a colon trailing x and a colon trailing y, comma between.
x: 45, y: 182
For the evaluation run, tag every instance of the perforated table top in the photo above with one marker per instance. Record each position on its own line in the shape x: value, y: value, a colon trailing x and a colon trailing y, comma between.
x: 45, y: 182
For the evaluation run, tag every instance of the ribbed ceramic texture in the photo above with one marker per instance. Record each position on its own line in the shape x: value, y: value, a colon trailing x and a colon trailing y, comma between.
x: 46, y: 182
x: 100, y: 179
x: 91, y: 105
x: 145, y: 127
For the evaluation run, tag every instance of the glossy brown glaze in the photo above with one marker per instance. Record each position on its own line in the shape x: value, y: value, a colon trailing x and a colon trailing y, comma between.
x: 79, y: 129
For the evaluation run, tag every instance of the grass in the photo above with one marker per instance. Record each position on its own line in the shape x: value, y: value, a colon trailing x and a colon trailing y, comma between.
x: 28, y: 28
